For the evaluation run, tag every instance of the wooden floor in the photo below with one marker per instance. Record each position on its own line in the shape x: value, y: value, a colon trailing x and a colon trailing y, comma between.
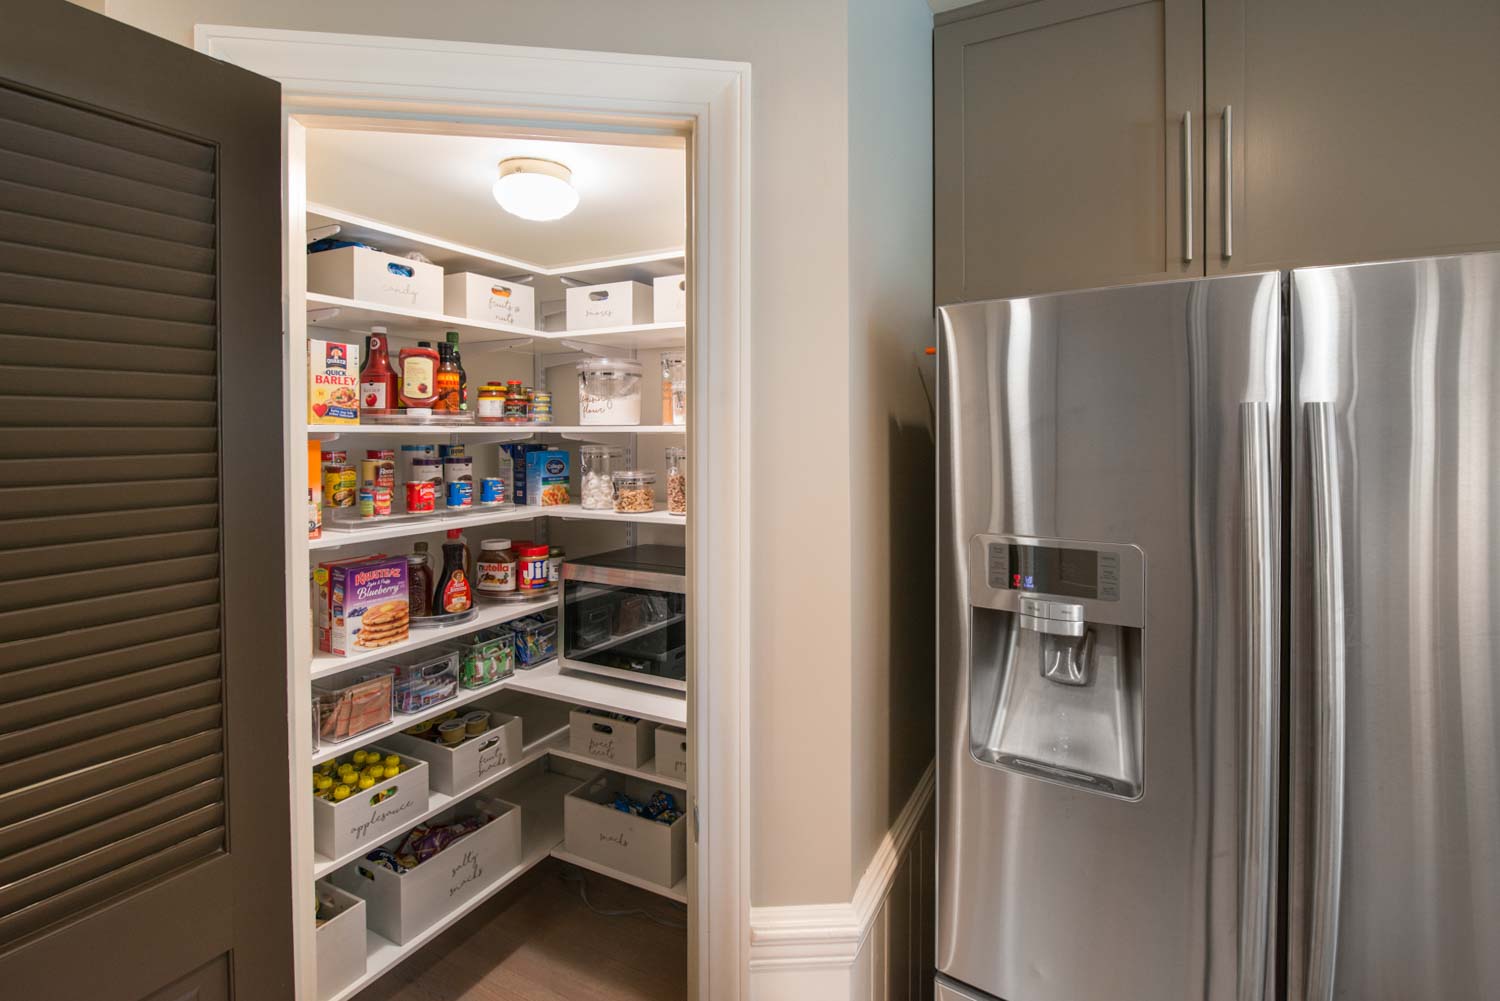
x: 536, y: 941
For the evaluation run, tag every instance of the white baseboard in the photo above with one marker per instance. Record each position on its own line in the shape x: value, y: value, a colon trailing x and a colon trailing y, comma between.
x: 827, y: 951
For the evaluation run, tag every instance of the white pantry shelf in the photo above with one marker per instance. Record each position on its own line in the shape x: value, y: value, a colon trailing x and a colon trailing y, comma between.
x: 490, y: 614
x: 437, y: 802
x: 331, y: 312
x: 329, y: 432
x: 677, y: 892
x: 647, y: 772
x: 541, y: 803
x: 406, y: 527
x: 643, y: 701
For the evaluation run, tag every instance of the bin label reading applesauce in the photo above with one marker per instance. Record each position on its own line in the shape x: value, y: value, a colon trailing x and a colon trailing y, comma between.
x: 379, y: 817
x: 465, y: 872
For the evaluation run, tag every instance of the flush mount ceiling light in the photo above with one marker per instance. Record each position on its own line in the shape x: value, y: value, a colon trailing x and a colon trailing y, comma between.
x: 540, y: 190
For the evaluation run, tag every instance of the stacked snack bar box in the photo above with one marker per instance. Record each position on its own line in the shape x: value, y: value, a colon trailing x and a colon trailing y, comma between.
x: 361, y: 603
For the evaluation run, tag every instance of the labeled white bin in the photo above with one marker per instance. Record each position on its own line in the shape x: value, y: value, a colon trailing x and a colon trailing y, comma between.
x: 610, y: 740
x: 669, y: 299
x: 646, y: 849
x: 401, y: 907
x: 370, y: 814
x: 340, y: 940
x: 477, y: 297
x: 371, y: 276
x: 618, y: 304
x: 454, y: 769
x: 671, y: 752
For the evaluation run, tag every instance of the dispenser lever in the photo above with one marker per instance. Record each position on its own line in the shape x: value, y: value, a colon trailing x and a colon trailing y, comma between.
x: 1056, y: 618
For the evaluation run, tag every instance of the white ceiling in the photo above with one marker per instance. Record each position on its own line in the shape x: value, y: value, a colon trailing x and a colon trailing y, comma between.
x: 632, y: 199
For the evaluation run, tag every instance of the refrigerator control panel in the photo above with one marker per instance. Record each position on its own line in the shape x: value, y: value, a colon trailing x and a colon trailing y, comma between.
x: 1107, y: 580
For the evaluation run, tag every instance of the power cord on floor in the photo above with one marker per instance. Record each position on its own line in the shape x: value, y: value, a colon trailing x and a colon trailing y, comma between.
x: 571, y: 875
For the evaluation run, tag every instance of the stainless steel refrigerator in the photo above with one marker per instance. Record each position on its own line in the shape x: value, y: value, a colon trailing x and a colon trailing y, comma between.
x: 1219, y: 639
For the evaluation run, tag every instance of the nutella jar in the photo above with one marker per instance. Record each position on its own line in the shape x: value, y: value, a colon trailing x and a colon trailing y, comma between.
x: 495, y: 569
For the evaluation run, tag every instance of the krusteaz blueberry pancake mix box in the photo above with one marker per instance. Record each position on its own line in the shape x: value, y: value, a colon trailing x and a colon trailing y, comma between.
x: 362, y: 603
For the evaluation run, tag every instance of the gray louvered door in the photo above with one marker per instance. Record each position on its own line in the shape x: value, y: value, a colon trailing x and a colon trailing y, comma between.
x: 144, y: 816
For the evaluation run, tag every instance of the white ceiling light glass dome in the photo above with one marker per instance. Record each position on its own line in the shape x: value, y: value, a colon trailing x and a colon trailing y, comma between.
x: 536, y: 189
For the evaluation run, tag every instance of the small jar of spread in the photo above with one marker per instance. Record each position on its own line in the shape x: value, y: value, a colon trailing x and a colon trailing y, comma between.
x: 495, y: 569
x: 491, y: 401
x: 534, y: 572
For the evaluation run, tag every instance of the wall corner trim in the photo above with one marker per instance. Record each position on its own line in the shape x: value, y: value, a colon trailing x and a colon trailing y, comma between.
x: 826, y: 939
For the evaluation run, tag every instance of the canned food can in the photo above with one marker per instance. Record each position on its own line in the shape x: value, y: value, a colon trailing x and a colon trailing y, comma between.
x: 492, y: 490
x: 381, y: 498
x: 367, y: 503
x: 421, y: 497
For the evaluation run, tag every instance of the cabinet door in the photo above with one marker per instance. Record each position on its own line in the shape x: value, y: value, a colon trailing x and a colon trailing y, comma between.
x: 1059, y: 153
x: 1361, y: 130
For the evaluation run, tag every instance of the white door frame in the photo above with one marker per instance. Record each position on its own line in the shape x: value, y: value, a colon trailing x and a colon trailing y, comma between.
x: 400, y: 78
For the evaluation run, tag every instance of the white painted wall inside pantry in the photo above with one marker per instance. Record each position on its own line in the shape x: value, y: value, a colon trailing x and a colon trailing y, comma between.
x: 808, y: 501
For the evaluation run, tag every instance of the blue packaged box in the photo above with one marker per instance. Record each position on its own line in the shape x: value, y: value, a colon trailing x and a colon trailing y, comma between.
x: 546, y: 478
x: 518, y: 452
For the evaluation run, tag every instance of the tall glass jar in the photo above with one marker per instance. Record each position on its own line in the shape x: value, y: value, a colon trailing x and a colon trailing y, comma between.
x: 609, y: 391
x: 674, y: 388
x: 597, y: 465
x: 676, y: 480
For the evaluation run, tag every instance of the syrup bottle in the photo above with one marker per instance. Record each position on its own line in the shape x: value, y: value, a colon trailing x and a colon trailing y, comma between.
x: 453, y: 592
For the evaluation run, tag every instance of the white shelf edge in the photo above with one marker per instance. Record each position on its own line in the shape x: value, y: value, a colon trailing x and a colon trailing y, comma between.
x: 326, y: 665
x: 440, y: 801
x: 382, y: 955
x: 442, y: 523
x: 413, y: 236
x: 646, y: 772
x: 400, y: 721
x: 330, y: 431
x: 677, y: 892
x: 321, y: 300
x: 642, y: 701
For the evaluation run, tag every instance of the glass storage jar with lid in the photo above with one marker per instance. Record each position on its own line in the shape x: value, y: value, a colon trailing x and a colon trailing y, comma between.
x: 609, y: 391
x: 676, y: 480
x: 635, y: 491
x: 597, y: 465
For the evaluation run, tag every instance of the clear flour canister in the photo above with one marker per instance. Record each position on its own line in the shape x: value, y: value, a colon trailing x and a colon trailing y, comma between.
x: 609, y: 391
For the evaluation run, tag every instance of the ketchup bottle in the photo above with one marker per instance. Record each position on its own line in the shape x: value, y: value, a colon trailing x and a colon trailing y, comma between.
x: 377, y: 380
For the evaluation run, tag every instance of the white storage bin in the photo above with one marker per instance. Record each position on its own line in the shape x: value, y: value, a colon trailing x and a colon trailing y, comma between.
x: 671, y: 752
x: 618, y: 304
x: 400, y: 907
x: 340, y: 940
x: 647, y: 849
x: 371, y: 276
x: 370, y: 814
x: 610, y: 740
x: 459, y: 767
x: 476, y: 297
x: 669, y: 299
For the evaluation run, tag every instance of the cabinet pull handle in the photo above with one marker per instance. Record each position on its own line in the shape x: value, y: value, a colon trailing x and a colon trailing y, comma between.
x: 1187, y: 187
x: 1228, y: 157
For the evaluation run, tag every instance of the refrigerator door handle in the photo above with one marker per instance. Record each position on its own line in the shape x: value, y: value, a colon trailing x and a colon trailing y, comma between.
x: 1187, y: 187
x: 1329, y: 723
x: 1227, y: 156
x: 1261, y: 698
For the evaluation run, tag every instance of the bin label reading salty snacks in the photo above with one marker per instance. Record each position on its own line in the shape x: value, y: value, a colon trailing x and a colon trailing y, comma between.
x: 362, y: 603
x: 332, y: 383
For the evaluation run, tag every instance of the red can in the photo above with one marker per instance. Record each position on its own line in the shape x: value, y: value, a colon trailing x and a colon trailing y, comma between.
x: 421, y: 497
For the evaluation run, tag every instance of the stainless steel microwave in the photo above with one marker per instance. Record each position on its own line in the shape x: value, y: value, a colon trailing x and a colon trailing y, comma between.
x: 624, y: 615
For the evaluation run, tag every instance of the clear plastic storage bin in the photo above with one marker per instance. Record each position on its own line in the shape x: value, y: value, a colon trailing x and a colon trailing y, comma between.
x: 486, y: 658
x: 425, y: 678
x: 353, y: 703
x: 536, y: 640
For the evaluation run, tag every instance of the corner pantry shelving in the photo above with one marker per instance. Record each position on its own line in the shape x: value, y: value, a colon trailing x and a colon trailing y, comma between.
x: 547, y: 768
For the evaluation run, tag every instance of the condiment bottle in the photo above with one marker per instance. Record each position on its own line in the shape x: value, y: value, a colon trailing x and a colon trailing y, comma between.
x: 449, y: 381
x: 418, y: 583
x: 463, y: 377
x: 419, y: 366
x: 453, y: 593
x: 457, y: 535
x: 377, y: 380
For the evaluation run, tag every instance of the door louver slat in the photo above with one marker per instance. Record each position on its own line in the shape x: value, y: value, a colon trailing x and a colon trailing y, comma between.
x: 111, y: 669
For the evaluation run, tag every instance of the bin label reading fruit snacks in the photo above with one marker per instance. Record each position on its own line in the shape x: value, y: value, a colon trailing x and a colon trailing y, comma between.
x: 332, y: 383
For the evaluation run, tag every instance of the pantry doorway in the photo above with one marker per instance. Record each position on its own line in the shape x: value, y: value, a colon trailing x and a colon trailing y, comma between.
x: 420, y: 86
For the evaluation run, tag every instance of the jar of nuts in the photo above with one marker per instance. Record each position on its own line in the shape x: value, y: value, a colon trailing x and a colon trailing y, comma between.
x: 635, y: 491
x: 676, y: 480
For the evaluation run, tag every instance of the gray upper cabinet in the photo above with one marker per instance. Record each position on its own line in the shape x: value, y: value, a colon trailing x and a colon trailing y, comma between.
x: 1361, y: 130
x: 1059, y: 130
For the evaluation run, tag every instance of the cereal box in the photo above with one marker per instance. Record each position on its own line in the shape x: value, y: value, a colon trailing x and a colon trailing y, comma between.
x: 361, y: 603
x: 332, y: 383
x: 546, y: 477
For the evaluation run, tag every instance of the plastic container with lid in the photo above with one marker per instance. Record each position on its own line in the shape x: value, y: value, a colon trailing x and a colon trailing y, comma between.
x: 495, y: 570
x: 635, y: 491
x: 676, y: 480
x: 534, y: 575
x: 492, y: 401
x: 674, y: 388
x: 597, y: 466
x: 609, y: 391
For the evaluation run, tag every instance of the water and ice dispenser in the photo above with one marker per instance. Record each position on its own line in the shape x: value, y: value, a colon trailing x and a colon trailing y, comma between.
x: 1055, y: 660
